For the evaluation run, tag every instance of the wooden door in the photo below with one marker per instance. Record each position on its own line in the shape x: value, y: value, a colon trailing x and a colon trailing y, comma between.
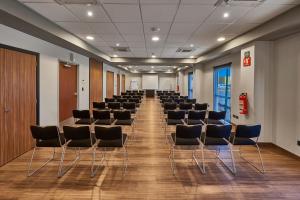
x: 3, y: 135
x: 123, y: 82
x: 19, y: 105
x: 109, y: 84
x: 118, y: 84
x: 96, y: 80
x: 67, y: 90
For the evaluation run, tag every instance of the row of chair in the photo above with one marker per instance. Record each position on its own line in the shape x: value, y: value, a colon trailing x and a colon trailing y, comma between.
x: 191, y: 137
x: 184, y: 106
x: 132, y: 106
x: 77, y: 138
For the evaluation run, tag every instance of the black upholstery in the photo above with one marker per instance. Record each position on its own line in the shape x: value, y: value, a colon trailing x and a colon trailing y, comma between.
x: 116, y: 97
x: 110, y: 136
x: 215, y: 115
x: 83, y: 117
x: 102, y: 117
x: 107, y: 100
x: 114, y: 105
x: 201, y: 106
x: 169, y: 106
x: 215, y: 134
x: 187, y: 135
x: 47, y: 136
x: 244, y: 133
x: 99, y: 105
x: 185, y: 106
x: 123, y: 117
x: 79, y: 136
x: 192, y: 101
x: 130, y: 106
x: 175, y: 117
x: 195, y: 117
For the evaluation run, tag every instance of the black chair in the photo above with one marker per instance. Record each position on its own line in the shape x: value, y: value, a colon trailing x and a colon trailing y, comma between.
x: 135, y: 100
x: 99, y: 105
x: 201, y: 106
x: 185, y: 107
x: 183, y: 97
x: 108, y: 100
x: 192, y: 101
x: 248, y: 135
x: 113, y: 106
x: 76, y: 138
x: 179, y: 101
x: 109, y: 138
x: 123, y: 118
x: 189, y: 137
x: 116, y: 97
x: 169, y: 106
x: 102, y: 117
x: 82, y: 117
x: 174, y: 118
x: 219, y: 135
x: 123, y: 93
x: 130, y: 106
x: 45, y: 137
x: 215, y: 117
x: 195, y: 117
x: 122, y: 100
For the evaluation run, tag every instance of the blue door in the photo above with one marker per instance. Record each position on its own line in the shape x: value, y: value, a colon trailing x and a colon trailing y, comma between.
x: 222, y: 90
x: 190, y: 85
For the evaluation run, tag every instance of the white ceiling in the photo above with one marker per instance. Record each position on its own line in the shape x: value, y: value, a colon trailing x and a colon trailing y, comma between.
x: 181, y: 23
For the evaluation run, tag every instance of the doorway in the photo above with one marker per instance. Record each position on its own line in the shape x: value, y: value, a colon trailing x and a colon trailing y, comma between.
x: 222, y: 90
x: 190, y: 85
x: 109, y: 84
x: 67, y: 90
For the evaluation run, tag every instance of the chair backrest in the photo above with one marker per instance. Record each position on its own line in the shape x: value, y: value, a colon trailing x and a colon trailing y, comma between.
x: 76, y: 133
x: 201, y: 106
x: 176, y: 114
x: 44, y: 133
x: 218, y: 131
x: 81, y: 114
x: 99, y: 105
x: 122, y: 115
x: 114, y: 105
x: 185, y: 106
x: 178, y: 101
x: 129, y: 105
x: 123, y: 93
x: 216, y: 115
x: 107, y: 100
x: 170, y: 106
x: 193, y: 101
x: 116, y: 96
x: 135, y: 100
x: 108, y: 133
x: 104, y: 114
x: 248, y: 131
x: 197, y: 114
x: 122, y: 100
x: 188, y: 131
x: 183, y: 97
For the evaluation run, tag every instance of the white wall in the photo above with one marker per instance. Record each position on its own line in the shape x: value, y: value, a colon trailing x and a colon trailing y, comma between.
x: 133, y: 77
x: 50, y: 55
x: 116, y: 71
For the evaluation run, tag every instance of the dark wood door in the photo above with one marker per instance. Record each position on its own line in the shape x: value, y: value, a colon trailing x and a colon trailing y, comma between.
x: 67, y: 90
x: 19, y: 106
x: 118, y: 84
x: 123, y: 82
x: 109, y: 84
x: 96, y: 80
x: 3, y: 135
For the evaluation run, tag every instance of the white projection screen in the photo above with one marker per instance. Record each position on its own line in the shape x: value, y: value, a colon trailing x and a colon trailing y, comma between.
x: 150, y: 82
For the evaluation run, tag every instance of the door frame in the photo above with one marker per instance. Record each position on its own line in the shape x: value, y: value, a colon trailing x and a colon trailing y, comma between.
x: 37, y: 76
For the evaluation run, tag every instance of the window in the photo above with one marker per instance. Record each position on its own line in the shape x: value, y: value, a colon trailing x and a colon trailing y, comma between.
x: 190, y: 85
x: 222, y: 90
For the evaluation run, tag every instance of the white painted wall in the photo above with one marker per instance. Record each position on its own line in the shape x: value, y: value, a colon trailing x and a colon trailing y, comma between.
x: 50, y: 55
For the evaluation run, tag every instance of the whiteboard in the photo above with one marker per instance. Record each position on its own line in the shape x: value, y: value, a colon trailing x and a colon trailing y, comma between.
x: 150, y: 81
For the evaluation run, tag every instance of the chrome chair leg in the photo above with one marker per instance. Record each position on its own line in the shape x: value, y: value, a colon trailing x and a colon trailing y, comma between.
x: 262, y: 169
x: 29, y: 171
x: 62, y: 171
x: 232, y: 169
x: 93, y: 169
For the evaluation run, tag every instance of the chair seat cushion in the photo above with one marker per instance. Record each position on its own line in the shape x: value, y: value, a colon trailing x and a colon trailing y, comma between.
x: 81, y: 143
x: 113, y: 143
x: 50, y: 143
x: 214, y: 141
x: 193, y: 122
x: 213, y: 121
x: 174, y: 121
x: 84, y: 121
x: 132, y: 111
x: 184, y: 141
x: 242, y: 141
x: 104, y: 121
x: 124, y: 122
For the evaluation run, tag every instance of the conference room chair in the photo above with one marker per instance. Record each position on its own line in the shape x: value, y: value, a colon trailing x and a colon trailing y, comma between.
x: 122, y: 100
x: 109, y: 100
x: 187, y: 137
x: 201, y: 106
x: 123, y: 118
x: 167, y: 106
x: 109, y: 138
x: 99, y: 105
x: 136, y: 101
x: 102, y: 117
x: 174, y: 117
x: 130, y: 106
x: 179, y: 101
x: 126, y: 96
x: 123, y: 93
x: 117, y: 96
x: 215, y: 117
x: 185, y: 107
x: 217, y: 136
x: 195, y: 117
x: 248, y: 135
x: 183, y: 97
x: 77, y: 138
x: 82, y: 117
x: 176, y: 94
x: 45, y: 137
x: 192, y: 101
x: 113, y: 106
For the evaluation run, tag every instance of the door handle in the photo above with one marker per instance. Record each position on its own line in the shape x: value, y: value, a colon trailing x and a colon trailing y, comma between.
x: 6, y: 110
x: 75, y: 93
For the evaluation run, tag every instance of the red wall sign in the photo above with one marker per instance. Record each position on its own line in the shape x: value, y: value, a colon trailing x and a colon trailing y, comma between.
x: 247, y: 59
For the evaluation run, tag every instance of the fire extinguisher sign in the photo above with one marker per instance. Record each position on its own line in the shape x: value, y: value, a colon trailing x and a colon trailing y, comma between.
x: 247, y: 59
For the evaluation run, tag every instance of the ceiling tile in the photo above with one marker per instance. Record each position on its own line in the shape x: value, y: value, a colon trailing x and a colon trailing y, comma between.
x: 136, y: 44
x: 202, y: 2
x: 53, y: 11
x: 138, y: 50
x: 164, y: 27
x: 80, y: 11
x: 158, y: 13
x: 238, y: 28
x: 112, y: 38
x: 134, y: 38
x: 130, y: 28
x: 76, y: 27
x: 210, y: 29
x: 159, y: 1
x: 183, y: 28
x: 119, y: 1
x: 123, y: 12
x: 177, y: 38
x: 104, y: 28
x: 193, y: 13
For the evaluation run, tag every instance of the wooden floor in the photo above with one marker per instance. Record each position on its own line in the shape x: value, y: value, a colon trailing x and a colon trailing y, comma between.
x: 149, y: 174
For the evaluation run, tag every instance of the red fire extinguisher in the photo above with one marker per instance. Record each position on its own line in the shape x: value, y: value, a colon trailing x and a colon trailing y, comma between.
x: 243, y: 99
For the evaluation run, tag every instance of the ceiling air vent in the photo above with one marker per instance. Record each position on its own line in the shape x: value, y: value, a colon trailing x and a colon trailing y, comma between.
x: 238, y: 2
x: 83, y: 2
x: 184, y: 50
x: 121, y: 49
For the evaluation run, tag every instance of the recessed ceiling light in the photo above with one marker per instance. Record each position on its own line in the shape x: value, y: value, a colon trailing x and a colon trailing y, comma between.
x: 118, y: 44
x: 152, y: 67
x: 226, y: 15
x: 90, y: 13
x: 155, y: 38
x: 191, y: 56
x: 186, y: 66
x: 191, y: 45
x: 115, y: 55
x: 153, y: 55
x: 155, y: 29
x: 90, y: 37
x: 129, y: 67
x: 220, y: 39
x: 174, y: 67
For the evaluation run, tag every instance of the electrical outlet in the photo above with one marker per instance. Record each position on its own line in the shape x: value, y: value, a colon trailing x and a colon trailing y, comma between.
x: 235, y: 116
